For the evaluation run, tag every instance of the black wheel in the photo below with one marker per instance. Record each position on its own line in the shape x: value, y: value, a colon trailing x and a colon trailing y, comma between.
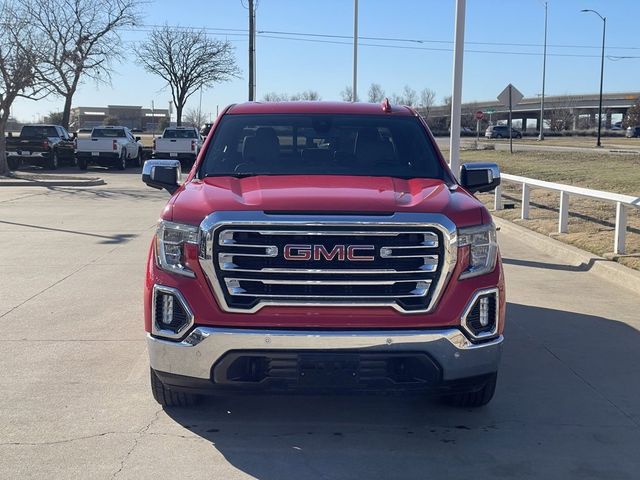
x: 82, y: 163
x: 122, y: 162
x: 137, y: 162
x: 498, y: 136
x: 14, y: 163
x: 170, y: 398
x: 53, y: 162
x: 474, y: 399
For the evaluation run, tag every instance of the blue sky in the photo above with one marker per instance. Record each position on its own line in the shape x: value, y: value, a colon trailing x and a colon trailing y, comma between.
x: 287, y: 65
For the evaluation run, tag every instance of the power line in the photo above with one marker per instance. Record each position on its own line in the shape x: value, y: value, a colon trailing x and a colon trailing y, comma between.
x: 241, y: 31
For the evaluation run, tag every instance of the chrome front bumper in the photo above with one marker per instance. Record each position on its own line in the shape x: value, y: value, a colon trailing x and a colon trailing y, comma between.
x: 204, y: 346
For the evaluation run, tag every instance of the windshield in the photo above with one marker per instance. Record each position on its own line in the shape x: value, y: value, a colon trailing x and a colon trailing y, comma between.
x: 284, y: 144
x: 108, y: 133
x: 179, y: 134
x: 38, y: 132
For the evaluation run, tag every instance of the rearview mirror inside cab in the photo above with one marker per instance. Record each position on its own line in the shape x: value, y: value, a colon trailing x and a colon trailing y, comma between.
x: 162, y: 174
x: 479, y: 177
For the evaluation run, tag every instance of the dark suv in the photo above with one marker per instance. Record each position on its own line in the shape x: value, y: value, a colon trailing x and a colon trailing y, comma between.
x: 501, y: 131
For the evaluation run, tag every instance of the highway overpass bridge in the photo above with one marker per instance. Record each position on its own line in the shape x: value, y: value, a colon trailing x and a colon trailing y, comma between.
x: 579, y: 110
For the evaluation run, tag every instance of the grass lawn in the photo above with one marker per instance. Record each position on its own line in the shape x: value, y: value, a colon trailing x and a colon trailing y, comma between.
x: 591, y: 222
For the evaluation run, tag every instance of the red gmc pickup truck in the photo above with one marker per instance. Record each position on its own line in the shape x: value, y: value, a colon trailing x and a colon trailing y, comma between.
x: 321, y: 246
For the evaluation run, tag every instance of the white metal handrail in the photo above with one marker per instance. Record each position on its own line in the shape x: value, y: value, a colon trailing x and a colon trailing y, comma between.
x: 622, y: 202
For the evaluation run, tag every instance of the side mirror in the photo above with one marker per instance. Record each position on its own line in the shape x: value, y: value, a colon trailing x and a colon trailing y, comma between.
x: 73, y: 135
x: 162, y: 174
x: 479, y: 177
x: 138, y: 139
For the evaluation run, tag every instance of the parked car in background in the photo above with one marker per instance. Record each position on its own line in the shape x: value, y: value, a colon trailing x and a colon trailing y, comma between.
x: 109, y: 146
x: 46, y: 145
x: 633, y: 132
x: 180, y: 143
x: 501, y: 131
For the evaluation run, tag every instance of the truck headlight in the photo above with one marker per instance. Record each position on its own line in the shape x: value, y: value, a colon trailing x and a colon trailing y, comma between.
x: 483, y: 249
x: 171, y: 239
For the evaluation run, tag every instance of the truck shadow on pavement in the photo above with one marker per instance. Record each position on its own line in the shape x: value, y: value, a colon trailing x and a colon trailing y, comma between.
x: 568, y: 386
x: 106, y: 239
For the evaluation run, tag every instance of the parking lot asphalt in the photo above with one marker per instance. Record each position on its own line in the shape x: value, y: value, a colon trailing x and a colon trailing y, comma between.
x: 75, y: 399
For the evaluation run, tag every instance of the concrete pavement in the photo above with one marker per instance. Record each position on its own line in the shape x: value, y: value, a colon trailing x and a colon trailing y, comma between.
x: 75, y: 397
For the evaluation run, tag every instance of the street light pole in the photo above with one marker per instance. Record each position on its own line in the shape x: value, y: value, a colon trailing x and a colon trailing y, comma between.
x: 604, y: 30
x: 544, y: 68
x: 354, y: 87
x: 456, y: 94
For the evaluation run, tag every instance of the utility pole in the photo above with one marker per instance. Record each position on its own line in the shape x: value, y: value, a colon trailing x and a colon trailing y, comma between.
x: 544, y: 67
x: 252, y: 51
x: 456, y: 94
x: 354, y: 97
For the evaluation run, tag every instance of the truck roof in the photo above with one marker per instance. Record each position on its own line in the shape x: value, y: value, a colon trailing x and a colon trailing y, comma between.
x: 340, y: 108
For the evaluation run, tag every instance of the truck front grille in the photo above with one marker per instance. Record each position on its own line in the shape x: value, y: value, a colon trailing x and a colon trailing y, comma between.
x: 325, y: 265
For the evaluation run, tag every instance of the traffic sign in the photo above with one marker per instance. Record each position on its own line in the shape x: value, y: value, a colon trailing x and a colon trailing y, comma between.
x: 510, y: 96
x: 479, y: 115
x: 489, y: 111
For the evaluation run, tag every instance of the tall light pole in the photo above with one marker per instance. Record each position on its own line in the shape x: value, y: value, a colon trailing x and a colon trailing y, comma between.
x: 252, y: 51
x: 354, y: 87
x: 456, y: 94
x: 604, y: 30
x: 544, y: 71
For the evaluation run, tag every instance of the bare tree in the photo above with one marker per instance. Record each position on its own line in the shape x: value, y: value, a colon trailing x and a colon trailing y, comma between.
x: 78, y: 39
x: 111, y: 121
x: 18, y: 61
x: 561, y: 117
x: 409, y: 96
x: 187, y: 60
x: 194, y: 118
x: 376, y: 93
x: 396, y: 99
x: 427, y: 99
x: 275, y: 97
x: 306, y: 96
x: 54, y: 118
x: 347, y: 95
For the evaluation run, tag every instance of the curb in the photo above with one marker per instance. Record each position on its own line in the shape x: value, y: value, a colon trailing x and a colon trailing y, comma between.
x: 606, y: 269
x: 52, y: 183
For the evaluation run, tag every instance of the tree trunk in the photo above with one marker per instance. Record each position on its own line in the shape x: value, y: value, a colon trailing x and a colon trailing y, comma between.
x: 179, y: 115
x: 4, y: 167
x: 66, y: 113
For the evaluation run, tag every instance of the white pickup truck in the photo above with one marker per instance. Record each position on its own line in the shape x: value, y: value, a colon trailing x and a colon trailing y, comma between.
x: 180, y: 143
x: 109, y: 146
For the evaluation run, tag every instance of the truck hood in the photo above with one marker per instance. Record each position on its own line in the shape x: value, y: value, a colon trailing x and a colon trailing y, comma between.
x: 325, y: 194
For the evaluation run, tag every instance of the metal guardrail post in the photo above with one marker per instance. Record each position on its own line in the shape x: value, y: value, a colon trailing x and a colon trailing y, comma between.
x: 526, y: 191
x: 621, y: 228
x: 563, y: 221
x: 497, y: 201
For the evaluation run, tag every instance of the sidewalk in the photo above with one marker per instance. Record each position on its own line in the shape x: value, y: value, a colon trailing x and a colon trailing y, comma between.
x: 22, y: 179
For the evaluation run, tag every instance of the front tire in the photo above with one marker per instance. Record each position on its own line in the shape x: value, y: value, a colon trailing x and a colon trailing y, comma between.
x: 54, y: 161
x: 13, y: 163
x: 82, y: 163
x: 170, y: 398
x: 473, y: 399
x: 122, y: 163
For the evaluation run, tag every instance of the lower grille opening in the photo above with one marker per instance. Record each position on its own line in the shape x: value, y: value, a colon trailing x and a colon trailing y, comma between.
x: 327, y: 370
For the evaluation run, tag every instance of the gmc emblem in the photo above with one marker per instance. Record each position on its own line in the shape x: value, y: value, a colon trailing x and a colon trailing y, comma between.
x: 353, y: 253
